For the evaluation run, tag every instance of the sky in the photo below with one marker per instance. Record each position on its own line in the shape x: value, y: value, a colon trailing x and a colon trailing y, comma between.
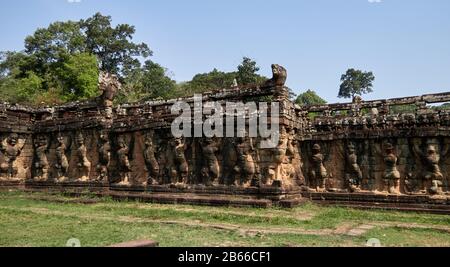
x: 405, y: 43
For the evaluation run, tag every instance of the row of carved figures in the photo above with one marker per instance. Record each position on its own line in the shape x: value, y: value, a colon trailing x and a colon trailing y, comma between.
x: 429, y: 179
x: 242, y: 162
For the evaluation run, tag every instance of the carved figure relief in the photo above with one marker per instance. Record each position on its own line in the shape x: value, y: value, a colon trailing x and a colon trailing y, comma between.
x: 318, y: 171
x: 62, y: 163
x: 353, y: 173
x: 11, y: 148
x: 391, y: 174
x: 41, y: 161
x: 245, y: 168
x: 84, y: 165
x: 432, y: 177
x: 123, y: 161
x: 150, y: 161
x: 296, y: 162
x: 211, y: 169
x: 104, y: 157
x: 180, y: 170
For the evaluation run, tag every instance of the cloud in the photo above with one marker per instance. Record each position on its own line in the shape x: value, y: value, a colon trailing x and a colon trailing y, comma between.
x: 73, y: 1
x: 375, y: 1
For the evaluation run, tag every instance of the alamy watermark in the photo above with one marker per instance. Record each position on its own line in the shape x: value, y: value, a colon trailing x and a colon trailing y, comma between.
x: 212, y: 119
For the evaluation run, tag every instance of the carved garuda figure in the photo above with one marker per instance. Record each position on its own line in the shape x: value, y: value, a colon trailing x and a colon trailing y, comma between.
x: 180, y: 170
x: 104, y: 157
x: 150, y: 161
x: 432, y: 176
x: 210, y: 170
x: 62, y: 163
x: 391, y: 173
x: 279, y: 76
x: 84, y: 165
x: 41, y: 161
x: 296, y: 162
x: 353, y: 173
x: 246, y: 168
x: 318, y: 171
x: 109, y: 85
x: 124, y: 161
x: 11, y: 148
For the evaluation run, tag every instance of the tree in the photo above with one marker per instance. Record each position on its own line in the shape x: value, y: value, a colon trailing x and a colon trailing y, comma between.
x: 79, y: 74
x: 356, y: 82
x: 112, y: 45
x: 20, y: 90
x: 309, y: 98
x: 66, y: 56
x: 247, y: 72
x: 208, y: 81
x: 148, y: 83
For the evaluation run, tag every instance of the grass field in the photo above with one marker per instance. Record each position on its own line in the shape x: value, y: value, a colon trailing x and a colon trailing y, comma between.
x: 41, y: 220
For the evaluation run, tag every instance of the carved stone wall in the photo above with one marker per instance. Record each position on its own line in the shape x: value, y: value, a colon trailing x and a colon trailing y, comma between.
x: 359, y: 147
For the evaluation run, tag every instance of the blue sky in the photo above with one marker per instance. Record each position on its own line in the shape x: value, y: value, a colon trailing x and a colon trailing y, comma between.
x: 406, y: 43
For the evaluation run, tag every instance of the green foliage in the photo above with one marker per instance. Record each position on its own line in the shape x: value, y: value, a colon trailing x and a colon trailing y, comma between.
x: 247, y: 72
x: 309, y: 98
x: 356, y: 82
x: 148, y: 83
x: 398, y: 109
x: 113, y: 46
x: 208, y: 81
x: 79, y: 74
x: 245, y: 75
x: 61, y: 62
x: 20, y: 90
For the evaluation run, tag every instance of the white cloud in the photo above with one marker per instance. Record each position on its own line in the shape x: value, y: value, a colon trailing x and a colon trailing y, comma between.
x: 73, y: 1
x: 374, y: 1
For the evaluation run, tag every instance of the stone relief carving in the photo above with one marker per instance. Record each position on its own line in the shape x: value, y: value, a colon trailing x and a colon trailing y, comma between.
x: 353, y: 173
x: 336, y: 146
x: 104, y: 157
x: 296, y: 162
x: 11, y: 148
x: 180, y: 168
x: 62, y: 163
x: 245, y: 169
x: 211, y: 169
x: 431, y: 177
x: 151, y: 162
x: 84, y: 165
x: 391, y: 176
x: 42, y: 165
x: 318, y: 172
x: 123, y: 161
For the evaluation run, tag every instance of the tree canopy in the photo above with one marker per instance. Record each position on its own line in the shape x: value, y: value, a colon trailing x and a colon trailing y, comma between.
x: 356, y: 82
x: 308, y: 98
x: 62, y: 62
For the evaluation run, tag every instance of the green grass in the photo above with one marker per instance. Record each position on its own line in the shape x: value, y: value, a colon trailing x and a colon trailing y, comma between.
x: 27, y: 220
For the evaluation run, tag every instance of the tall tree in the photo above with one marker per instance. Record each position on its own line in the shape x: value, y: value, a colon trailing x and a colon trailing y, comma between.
x: 247, y: 72
x: 356, y: 82
x: 113, y: 46
x: 66, y: 57
x: 309, y: 98
x: 79, y: 74
x: 148, y: 83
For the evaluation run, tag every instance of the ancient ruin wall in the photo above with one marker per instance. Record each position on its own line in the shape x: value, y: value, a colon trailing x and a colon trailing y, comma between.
x: 354, y: 147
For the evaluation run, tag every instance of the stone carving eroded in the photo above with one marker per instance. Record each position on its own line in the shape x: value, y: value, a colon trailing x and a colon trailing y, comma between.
x: 362, y: 148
